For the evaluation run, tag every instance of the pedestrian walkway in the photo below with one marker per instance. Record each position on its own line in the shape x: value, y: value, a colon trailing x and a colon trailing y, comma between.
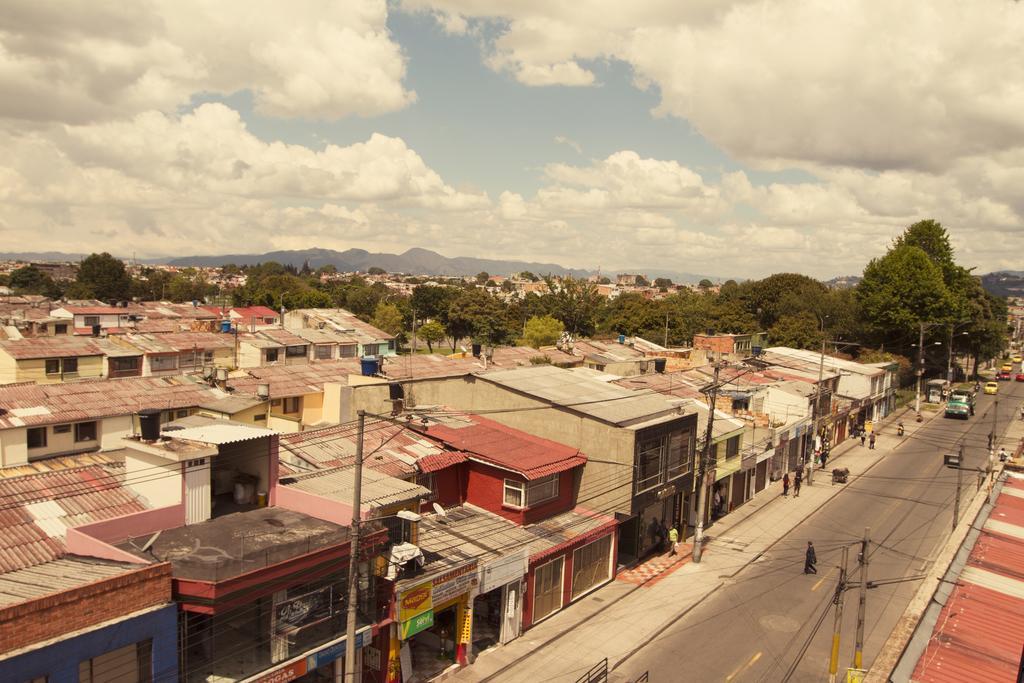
x: 647, y: 574
x: 624, y: 615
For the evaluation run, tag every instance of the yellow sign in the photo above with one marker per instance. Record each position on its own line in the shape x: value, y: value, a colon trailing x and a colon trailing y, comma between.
x: 855, y: 675
x: 415, y: 601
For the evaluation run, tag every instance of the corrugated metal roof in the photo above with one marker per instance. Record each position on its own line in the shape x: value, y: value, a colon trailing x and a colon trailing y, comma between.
x: 39, y: 508
x: 50, y: 347
x: 221, y: 433
x: 509, y: 448
x: 56, y: 576
x: 32, y: 404
x: 378, y: 489
x: 607, y: 402
x: 979, y: 631
x: 295, y: 380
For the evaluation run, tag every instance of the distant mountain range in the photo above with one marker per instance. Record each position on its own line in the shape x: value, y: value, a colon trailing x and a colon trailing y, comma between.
x: 1004, y: 283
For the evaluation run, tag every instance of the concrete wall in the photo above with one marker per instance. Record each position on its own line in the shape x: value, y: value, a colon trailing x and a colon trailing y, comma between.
x: 313, y: 505
x: 312, y: 408
x: 8, y: 368
x: 14, y: 446
x: 113, y: 429
x: 153, y: 478
x: 34, y: 370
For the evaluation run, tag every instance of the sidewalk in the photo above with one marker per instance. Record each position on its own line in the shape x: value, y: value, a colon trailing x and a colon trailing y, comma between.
x: 622, y: 616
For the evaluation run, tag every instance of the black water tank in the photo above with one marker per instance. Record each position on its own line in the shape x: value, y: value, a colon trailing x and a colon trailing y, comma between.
x: 476, y: 350
x: 96, y: 329
x: 149, y: 424
x: 659, y: 364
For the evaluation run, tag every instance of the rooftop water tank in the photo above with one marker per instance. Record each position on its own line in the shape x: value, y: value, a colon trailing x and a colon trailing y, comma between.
x: 369, y: 365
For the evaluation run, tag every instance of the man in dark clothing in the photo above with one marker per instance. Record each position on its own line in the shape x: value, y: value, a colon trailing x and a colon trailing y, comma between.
x: 824, y: 457
x: 798, y: 479
x: 810, y: 560
x: 871, y: 441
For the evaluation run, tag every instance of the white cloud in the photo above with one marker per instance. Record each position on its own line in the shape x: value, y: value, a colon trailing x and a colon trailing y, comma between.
x: 89, y: 61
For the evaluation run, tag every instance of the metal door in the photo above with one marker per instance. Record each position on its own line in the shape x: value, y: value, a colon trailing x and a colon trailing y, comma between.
x: 512, y: 613
x: 197, y: 491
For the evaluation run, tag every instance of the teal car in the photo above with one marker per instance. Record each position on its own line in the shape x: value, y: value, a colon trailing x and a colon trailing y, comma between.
x: 958, y: 409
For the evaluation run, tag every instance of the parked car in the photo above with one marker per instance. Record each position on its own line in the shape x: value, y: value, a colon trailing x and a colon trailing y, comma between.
x: 1020, y: 377
x: 958, y: 409
x: 1006, y: 367
x: 991, y: 388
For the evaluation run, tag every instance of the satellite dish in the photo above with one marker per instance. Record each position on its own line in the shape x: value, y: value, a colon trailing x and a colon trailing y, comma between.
x: 439, y: 510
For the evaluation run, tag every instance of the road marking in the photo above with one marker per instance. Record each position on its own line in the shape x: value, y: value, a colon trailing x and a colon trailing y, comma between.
x: 737, y: 672
x: 822, y: 580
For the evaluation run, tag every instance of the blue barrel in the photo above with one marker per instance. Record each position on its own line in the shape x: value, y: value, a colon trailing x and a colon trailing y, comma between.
x: 225, y: 326
x: 622, y: 339
x: 369, y: 365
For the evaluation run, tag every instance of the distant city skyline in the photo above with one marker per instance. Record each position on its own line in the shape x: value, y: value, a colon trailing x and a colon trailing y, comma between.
x: 733, y: 138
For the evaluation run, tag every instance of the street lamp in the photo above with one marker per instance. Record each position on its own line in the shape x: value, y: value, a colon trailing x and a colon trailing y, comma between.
x: 949, y: 361
x: 920, y: 370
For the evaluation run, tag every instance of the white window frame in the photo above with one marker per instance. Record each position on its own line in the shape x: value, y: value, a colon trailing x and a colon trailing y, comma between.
x: 527, y: 490
x: 515, y: 486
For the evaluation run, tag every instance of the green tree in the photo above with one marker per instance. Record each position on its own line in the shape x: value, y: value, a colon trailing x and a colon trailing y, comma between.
x: 482, y: 277
x: 376, y: 270
x: 900, y: 290
x: 431, y: 302
x: 507, y: 286
x: 388, y: 317
x: 104, y: 277
x: 576, y: 303
x: 663, y: 282
x: 527, y: 275
x: 705, y: 284
x: 542, y: 331
x: 480, y: 316
x: 432, y: 333
x: 799, y: 331
x: 31, y: 280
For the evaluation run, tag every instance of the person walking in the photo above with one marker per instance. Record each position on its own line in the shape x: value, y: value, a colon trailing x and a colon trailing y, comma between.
x: 798, y: 479
x: 824, y: 458
x: 863, y: 436
x: 810, y: 560
x: 662, y: 535
x: 871, y: 441
x: 673, y: 539
x: 785, y: 484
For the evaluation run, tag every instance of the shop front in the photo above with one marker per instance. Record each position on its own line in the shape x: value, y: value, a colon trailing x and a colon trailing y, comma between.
x: 498, y: 605
x: 324, y: 664
x: 434, y: 623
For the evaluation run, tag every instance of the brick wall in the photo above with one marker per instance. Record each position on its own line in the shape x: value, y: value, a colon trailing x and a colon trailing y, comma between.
x: 486, y: 489
x: 721, y: 344
x: 56, y: 614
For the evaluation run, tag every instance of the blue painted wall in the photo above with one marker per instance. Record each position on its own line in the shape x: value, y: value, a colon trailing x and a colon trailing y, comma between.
x: 59, y: 661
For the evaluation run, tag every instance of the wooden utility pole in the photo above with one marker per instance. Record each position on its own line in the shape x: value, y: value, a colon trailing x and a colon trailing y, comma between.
x: 837, y: 623
x: 702, y: 473
x: 920, y: 370
x: 956, y: 499
x: 865, y: 547
x: 351, y: 674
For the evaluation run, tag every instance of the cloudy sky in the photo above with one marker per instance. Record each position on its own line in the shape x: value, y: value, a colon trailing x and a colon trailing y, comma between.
x: 723, y: 137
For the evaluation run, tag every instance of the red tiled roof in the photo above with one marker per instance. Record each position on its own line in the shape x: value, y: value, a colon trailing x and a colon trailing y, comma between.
x: 506, y: 447
x: 39, y: 508
x: 979, y: 632
x: 436, y: 463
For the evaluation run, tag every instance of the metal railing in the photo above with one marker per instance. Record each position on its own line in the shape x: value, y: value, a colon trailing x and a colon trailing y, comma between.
x: 597, y: 673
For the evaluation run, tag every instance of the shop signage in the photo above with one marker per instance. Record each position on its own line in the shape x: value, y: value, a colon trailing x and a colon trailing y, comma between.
x: 284, y: 674
x: 454, y: 583
x: 421, y: 622
x: 416, y: 600
x: 666, y: 491
x: 371, y: 656
x: 303, y: 610
x: 313, y: 661
x: 503, y: 570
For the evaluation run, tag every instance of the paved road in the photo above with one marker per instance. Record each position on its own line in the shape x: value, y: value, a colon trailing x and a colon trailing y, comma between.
x: 758, y: 626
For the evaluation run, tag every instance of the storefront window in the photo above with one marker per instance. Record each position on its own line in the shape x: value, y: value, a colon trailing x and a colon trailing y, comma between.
x: 680, y: 460
x: 591, y: 565
x: 547, y: 588
x: 130, y: 663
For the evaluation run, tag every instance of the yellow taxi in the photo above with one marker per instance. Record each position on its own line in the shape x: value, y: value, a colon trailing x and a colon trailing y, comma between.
x: 1006, y: 367
x: 991, y: 388
x: 1017, y: 359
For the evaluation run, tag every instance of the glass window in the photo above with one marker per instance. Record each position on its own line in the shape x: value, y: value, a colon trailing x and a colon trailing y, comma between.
x: 347, y: 350
x: 53, y: 366
x: 130, y: 664
x: 650, y: 463
x: 295, y: 351
x: 85, y: 431
x: 680, y: 460
x: 207, y: 357
x: 732, y: 447
x: 324, y: 352
x: 124, y: 364
x: 69, y: 365
x: 272, y: 355
x: 542, y: 490
x: 37, y: 437
x: 515, y: 493
x: 428, y: 481
x: 291, y: 405
x: 61, y: 429
x: 162, y: 363
x: 60, y: 328
x: 91, y: 320
x: 371, y: 349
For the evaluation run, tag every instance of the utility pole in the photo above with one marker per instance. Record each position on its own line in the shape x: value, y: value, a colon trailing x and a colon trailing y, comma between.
x: 862, y: 607
x: 837, y: 623
x: 353, y: 563
x: 414, y: 331
x: 817, y: 406
x: 666, y: 330
x: 705, y: 457
x: 920, y: 369
x: 956, y: 499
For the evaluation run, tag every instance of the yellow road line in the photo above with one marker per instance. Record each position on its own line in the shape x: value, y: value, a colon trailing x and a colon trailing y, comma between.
x: 737, y: 672
x: 822, y: 580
